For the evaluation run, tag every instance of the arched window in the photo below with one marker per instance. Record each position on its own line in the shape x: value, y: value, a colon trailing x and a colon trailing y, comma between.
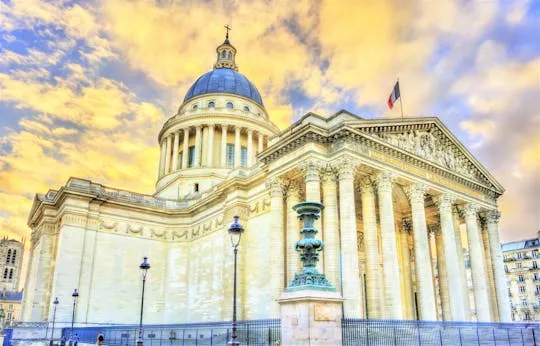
x: 5, y: 273
x: 211, y: 104
x: 8, y: 259
x: 11, y: 274
x: 195, y: 107
x: 229, y: 55
x: 13, y: 256
x: 230, y: 105
x: 246, y: 109
x: 223, y: 54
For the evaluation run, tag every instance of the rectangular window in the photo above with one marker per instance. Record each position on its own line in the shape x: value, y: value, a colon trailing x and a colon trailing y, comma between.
x: 535, y: 253
x: 506, y: 268
x: 521, y: 289
x: 535, y: 264
x: 191, y: 157
x: 520, y: 278
x: 230, y: 156
x: 536, y: 277
x: 537, y: 289
x: 518, y: 265
x: 243, y: 157
x: 523, y: 302
x: 519, y: 255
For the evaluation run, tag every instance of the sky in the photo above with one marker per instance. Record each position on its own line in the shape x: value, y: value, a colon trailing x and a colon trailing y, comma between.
x: 86, y: 86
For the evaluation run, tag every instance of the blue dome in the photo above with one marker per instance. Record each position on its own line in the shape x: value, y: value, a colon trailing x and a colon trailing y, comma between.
x: 224, y: 80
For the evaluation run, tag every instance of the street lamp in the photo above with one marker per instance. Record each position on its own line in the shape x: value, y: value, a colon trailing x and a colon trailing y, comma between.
x: 53, y: 320
x: 144, y: 270
x: 75, y: 295
x: 235, y: 231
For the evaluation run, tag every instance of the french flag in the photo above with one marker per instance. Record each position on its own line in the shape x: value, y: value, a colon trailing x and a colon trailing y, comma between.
x: 394, y: 95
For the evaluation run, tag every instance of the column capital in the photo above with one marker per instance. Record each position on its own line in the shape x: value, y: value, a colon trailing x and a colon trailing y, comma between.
x: 470, y: 210
x: 310, y: 169
x: 366, y: 184
x: 292, y: 187
x: 276, y: 187
x: 434, y: 228
x: 328, y: 173
x: 237, y: 128
x: 250, y: 131
x: 444, y: 201
x: 384, y: 181
x: 345, y: 168
x: 416, y: 191
x: 406, y: 225
x: 493, y: 216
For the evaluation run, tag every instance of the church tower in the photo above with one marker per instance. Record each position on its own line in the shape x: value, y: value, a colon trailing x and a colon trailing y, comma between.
x: 217, y: 132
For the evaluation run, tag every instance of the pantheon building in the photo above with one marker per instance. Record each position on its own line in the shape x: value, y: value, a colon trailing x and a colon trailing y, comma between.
x: 403, y: 199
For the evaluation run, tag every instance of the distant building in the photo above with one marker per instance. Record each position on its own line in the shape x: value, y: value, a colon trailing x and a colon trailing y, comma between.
x: 521, y: 260
x: 11, y: 253
x: 11, y: 304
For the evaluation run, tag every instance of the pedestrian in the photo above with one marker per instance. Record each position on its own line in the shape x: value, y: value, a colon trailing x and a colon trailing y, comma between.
x: 100, y: 338
x: 76, y: 340
x: 63, y: 341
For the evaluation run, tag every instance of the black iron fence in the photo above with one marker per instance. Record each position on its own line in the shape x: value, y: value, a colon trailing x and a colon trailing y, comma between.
x: 424, y: 333
x: 255, y: 332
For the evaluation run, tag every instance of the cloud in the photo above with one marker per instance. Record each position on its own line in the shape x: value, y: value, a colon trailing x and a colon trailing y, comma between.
x: 87, y: 86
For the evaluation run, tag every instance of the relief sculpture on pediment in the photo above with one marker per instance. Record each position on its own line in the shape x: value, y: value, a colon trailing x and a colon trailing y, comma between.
x: 427, y: 146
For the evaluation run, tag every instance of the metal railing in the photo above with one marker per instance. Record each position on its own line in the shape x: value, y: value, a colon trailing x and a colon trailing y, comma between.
x: 424, y: 333
x: 255, y: 332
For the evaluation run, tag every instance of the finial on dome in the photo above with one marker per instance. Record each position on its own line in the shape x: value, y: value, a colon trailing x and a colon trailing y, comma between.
x: 226, y: 53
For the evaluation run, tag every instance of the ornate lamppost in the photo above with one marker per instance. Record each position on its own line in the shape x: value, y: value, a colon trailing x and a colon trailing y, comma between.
x: 75, y: 295
x: 144, y: 270
x: 309, y: 248
x: 55, y: 302
x: 235, y: 232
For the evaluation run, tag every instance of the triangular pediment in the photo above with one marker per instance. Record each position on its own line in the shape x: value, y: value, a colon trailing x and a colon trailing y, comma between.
x: 430, y: 140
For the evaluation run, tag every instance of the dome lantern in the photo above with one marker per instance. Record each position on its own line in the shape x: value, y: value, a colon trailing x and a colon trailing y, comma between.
x: 226, y: 54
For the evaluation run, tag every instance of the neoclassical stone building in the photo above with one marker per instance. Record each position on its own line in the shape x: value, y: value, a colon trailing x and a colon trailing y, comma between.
x: 392, y: 188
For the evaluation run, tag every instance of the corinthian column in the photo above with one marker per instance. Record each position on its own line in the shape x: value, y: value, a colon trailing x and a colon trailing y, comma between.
x: 349, y: 242
x: 224, y: 146
x: 168, y: 155
x: 185, y: 149
x: 461, y: 265
x: 277, y: 263
x: 392, y: 287
x: 293, y: 233
x: 313, y: 194
x: 250, y: 148
x: 210, y: 150
x: 162, y: 159
x: 237, y: 147
x: 442, y: 270
x: 488, y: 266
x: 424, y: 275
x: 176, y: 143
x: 331, y: 226
x: 499, y: 275
x: 371, y: 250
x: 478, y: 272
x: 447, y: 245
x: 198, y: 146
x: 259, y: 142
x: 406, y: 279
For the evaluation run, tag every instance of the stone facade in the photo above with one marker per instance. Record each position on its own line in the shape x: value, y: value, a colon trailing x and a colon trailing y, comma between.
x: 384, y: 182
x: 521, y: 259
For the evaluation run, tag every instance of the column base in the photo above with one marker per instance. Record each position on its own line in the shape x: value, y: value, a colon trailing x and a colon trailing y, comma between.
x: 311, y: 317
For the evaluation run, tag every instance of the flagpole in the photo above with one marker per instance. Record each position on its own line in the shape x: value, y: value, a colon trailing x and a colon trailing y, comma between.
x: 400, y: 97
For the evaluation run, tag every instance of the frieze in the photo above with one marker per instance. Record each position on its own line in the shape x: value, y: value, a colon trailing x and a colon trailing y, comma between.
x: 434, y: 147
x: 262, y: 206
x: 73, y: 220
